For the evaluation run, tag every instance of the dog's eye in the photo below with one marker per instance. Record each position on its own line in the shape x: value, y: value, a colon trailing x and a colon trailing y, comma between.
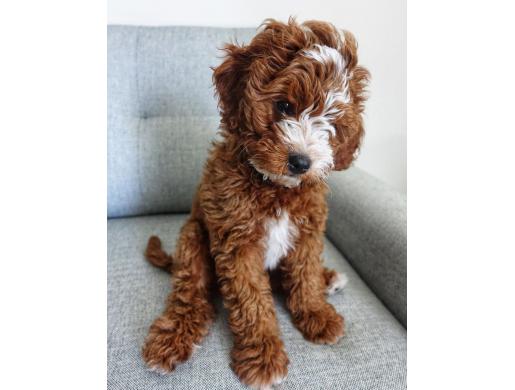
x: 284, y: 108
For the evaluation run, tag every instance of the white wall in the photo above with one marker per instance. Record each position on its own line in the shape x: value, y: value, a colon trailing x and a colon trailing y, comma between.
x: 379, y: 25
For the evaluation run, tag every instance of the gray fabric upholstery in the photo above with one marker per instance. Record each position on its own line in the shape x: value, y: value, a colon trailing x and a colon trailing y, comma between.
x: 162, y: 113
x: 367, y: 223
x: 372, y: 355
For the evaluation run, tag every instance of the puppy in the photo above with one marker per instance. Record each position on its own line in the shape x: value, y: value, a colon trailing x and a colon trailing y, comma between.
x: 291, y: 104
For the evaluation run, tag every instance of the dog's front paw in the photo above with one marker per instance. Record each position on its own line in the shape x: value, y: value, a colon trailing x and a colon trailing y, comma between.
x: 260, y: 365
x: 164, y: 347
x: 323, y: 326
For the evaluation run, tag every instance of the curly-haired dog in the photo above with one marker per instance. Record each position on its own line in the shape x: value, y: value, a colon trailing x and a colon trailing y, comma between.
x: 291, y: 104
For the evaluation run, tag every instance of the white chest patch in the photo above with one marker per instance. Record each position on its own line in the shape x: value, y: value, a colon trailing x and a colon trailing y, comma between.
x: 279, y: 239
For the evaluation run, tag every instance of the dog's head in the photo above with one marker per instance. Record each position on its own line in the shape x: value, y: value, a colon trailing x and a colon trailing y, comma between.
x: 293, y: 98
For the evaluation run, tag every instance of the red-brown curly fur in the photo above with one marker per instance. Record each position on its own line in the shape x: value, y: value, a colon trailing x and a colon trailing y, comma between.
x: 223, y: 240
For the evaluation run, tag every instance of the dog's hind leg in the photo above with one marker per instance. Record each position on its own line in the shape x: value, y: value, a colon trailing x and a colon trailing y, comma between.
x: 334, y: 281
x: 189, y: 309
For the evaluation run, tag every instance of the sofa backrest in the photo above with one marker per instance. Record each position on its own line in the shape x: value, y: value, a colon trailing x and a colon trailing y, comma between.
x: 162, y: 114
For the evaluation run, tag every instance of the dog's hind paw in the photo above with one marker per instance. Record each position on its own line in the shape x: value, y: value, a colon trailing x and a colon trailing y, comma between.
x: 337, y: 283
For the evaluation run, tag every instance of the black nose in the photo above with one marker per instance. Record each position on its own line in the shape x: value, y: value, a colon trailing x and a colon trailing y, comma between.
x: 298, y: 163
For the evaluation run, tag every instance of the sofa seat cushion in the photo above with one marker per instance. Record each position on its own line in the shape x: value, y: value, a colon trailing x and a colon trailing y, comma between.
x: 372, y: 355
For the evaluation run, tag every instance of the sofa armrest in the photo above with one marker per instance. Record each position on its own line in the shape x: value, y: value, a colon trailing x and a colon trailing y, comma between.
x: 367, y: 223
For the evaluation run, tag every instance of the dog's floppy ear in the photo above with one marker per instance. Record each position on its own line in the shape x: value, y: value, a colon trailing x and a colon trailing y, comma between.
x: 347, y: 147
x: 349, y: 134
x: 229, y: 79
x: 349, y: 49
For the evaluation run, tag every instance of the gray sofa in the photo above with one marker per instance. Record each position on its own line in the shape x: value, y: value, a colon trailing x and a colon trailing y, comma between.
x: 162, y: 116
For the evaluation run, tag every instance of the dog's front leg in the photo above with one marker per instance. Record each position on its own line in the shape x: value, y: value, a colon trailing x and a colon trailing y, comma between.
x: 303, y: 281
x: 258, y: 356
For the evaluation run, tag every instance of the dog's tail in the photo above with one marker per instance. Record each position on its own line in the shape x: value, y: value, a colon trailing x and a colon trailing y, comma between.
x: 156, y: 256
